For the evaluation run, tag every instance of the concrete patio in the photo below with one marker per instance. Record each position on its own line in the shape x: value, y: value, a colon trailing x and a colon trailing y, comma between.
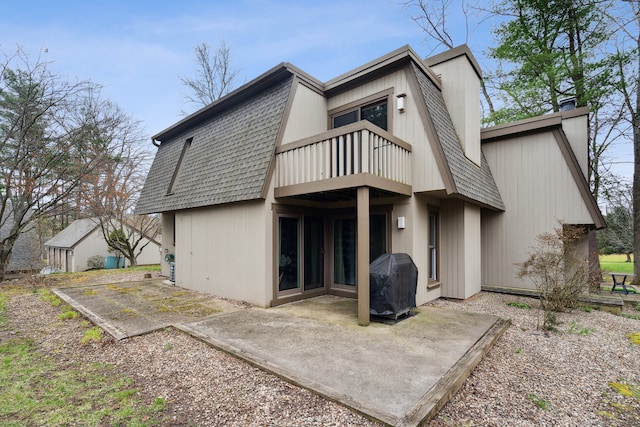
x: 399, y: 374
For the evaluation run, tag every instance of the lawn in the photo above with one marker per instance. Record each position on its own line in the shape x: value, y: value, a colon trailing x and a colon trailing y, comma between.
x: 35, y: 389
x: 616, y: 263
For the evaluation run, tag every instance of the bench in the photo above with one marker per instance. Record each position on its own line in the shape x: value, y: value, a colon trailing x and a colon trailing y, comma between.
x: 617, y: 282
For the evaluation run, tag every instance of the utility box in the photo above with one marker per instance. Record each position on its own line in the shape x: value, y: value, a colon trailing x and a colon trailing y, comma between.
x: 393, y: 281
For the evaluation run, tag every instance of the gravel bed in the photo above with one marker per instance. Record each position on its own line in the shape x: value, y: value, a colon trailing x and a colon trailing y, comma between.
x: 528, y: 378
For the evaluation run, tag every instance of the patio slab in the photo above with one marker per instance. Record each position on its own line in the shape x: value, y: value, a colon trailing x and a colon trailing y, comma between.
x: 399, y: 374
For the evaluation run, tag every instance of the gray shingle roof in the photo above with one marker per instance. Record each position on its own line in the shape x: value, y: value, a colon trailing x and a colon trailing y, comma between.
x: 228, y: 159
x: 27, y: 252
x: 470, y: 181
x: 73, y: 234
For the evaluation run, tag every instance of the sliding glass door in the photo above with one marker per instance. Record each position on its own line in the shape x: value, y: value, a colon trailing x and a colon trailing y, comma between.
x: 300, y: 253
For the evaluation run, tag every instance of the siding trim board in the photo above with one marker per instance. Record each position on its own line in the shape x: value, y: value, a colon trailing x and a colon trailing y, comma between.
x: 579, y: 178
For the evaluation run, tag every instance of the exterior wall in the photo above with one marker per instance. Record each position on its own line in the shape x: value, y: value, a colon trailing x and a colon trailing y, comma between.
x: 151, y: 254
x: 461, y: 92
x: 525, y: 169
x: 413, y: 240
x: 576, y: 129
x: 460, y: 245
x: 92, y: 244
x: 221, y: 251
x: 307, y: 116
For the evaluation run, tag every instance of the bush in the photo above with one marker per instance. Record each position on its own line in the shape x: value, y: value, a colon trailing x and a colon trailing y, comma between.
x: 558, y: 271
x: 96, y: 262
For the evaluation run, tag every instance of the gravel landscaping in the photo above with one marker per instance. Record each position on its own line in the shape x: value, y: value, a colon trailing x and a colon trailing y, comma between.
x: 585, y: 374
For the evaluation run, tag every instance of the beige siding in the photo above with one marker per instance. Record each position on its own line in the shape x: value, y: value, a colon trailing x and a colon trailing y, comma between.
x: 576, y: 129
x: 221, y: 251
x: 538, y: 191
x: 93, y: 244
x: 461, y: 92
x: 307, y: 117
x: 150, y: 254
x: 460, y: 246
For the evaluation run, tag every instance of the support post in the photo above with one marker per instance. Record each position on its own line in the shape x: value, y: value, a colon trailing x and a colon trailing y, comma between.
x: 362, y: 255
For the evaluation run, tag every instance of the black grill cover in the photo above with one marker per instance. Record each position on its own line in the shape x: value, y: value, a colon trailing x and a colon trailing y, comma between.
x: 393, y: 280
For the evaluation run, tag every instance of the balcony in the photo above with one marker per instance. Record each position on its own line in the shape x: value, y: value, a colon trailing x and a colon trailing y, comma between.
x: 356, y: 155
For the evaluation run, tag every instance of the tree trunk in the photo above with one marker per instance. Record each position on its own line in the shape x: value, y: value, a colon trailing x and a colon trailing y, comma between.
x: 4, y: 262
x: 635, y: 120
x: 628, y: 257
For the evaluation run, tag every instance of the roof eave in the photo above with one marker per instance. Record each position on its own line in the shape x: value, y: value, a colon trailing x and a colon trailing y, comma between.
x: 396, y: 58
x: 275, y: 74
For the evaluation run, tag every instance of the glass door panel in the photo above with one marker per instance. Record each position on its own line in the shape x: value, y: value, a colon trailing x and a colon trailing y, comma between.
x: 288, y: 253
x: 344, y: 252
x: 313, y: 253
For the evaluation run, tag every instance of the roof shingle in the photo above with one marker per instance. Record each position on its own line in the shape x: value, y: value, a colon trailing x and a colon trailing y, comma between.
x: 227, y: 161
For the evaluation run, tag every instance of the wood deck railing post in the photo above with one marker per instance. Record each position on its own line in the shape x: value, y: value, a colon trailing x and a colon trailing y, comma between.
x: 362, y: 255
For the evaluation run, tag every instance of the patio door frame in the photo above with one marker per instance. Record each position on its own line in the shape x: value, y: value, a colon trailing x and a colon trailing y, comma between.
x: 329, y: 216
x: 298, y: 292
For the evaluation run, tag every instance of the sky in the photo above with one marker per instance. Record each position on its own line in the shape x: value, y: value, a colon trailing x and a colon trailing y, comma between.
x: 138, y: 50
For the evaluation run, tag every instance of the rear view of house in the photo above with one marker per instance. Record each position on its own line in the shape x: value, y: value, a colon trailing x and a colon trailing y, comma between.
x: 289, y: 187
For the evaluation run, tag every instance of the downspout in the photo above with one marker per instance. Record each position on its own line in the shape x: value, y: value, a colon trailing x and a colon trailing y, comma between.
x: 153, y: 141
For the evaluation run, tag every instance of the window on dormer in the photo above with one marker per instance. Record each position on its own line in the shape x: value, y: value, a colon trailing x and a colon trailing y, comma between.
x: 376, y: 113
x: 185, y: 148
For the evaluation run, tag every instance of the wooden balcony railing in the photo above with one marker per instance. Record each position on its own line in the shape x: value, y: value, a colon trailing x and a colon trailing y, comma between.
x: 357, y: 149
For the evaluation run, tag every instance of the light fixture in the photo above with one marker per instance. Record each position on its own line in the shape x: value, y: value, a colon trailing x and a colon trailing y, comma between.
x: 400, y: 222
x: 400, y: 102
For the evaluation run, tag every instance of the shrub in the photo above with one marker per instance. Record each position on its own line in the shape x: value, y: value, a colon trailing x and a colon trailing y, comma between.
x: 558, y: 271
x: 96, y: 261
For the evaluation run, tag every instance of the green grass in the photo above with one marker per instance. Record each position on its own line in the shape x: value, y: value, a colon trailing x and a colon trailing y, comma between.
x: 34, y: 390
x: 519, y: 305
x: 3, y: 312
x: 616, y: 263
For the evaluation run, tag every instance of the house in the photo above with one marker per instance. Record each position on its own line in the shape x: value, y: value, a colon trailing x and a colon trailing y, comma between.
x: 26, y: 255
x: 70, y: 249
x: 288, y: 187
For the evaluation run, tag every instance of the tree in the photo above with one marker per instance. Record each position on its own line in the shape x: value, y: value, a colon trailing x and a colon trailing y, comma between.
x: 109, y: 195
x: 45, y: 151
x: 433, y: 18
x: 558, y: 271
x: 628, y: 72
x: 214, y: 76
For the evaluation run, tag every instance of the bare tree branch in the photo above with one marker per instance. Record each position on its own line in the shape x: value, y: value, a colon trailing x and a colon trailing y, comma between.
x: 214, y: 76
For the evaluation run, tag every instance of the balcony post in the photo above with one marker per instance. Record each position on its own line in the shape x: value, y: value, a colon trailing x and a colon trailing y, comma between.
x: 362, y: 255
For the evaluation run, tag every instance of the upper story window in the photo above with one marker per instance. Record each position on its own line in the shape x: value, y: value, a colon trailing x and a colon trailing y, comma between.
x: 376, y: 113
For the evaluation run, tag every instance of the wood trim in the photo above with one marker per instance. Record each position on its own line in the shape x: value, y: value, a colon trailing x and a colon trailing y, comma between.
x: 579, y: 178
x: 395, y: 58
x: 353, y: 127
x: 362, y: 256
x: 284, y: 120
x: 531, y: 125
x: 462, y: 50
x: 342, y: 182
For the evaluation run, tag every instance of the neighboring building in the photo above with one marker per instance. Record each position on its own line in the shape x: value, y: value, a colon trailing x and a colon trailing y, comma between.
x: 70, y: 249
x: 26, y: 255
x: 288, y: 187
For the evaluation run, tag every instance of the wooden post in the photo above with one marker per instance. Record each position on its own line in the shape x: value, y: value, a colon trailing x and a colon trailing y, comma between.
x: 362, y: 255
